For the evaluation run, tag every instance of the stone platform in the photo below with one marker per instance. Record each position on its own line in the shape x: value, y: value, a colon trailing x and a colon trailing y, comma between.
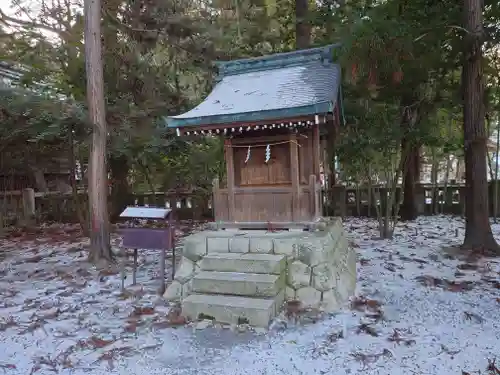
x: 236, y: 276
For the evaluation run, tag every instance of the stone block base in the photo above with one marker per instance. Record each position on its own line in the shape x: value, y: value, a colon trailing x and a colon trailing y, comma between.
x: 318, y: 268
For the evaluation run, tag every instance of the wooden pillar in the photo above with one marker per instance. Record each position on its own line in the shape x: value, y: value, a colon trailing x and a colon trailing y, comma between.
x: 313, y: 198
x: 28, y: 199
x: 215, y: 199
x: 316, y: 147
x: 294, y: 170
x: 230, y: 178
x: 317, y: 155
x: 324, y: 160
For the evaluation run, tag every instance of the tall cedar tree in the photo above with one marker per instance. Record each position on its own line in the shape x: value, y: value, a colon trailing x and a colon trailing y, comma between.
x: 478, y: 235
x: 100, y: 248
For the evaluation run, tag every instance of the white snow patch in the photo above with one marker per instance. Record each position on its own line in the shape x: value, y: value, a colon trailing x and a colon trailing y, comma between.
x: 58, y: 315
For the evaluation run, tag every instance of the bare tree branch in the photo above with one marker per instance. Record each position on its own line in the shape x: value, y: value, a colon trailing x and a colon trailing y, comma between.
x: 7, y: 20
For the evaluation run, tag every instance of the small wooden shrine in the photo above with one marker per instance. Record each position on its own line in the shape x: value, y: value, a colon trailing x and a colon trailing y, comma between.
x: 272, y: 112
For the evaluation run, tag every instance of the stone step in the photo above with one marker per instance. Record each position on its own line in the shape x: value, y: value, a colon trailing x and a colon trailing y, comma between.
x: 244, y: 263
x: 230, y: 309
x: 237, y: 283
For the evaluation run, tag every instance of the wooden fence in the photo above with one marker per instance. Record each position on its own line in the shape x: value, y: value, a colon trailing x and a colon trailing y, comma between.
x: 338, y: 201
x: 59, y: 207
x: 431, y: 200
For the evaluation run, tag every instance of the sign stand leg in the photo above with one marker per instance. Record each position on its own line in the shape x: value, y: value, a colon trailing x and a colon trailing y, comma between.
x: 172, y: 244
x: 162, y: 270
x: 173, y: 263
x: 122, y: 268
x: 134, y: 275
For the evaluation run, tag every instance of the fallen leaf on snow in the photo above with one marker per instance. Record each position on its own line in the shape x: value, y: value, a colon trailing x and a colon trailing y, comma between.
x: 7, y: 366
x: 452, y: 286
x: 398, y: 338
x: 366, y: 328
x: 473, y: 317
x: 138, y: 311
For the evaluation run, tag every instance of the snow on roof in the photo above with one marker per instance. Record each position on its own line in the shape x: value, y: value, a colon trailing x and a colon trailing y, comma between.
x: 278, y: 86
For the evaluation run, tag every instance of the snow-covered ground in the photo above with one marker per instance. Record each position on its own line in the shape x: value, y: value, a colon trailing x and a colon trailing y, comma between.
x: 420, y: 309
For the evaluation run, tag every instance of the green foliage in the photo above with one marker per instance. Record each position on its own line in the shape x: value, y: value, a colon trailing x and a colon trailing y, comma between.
x: 371, y: 138
x: 35, y: 128
x: 36, y: 117
x: 397, y: 56
x: 145, y: 77
x: 194, y: 165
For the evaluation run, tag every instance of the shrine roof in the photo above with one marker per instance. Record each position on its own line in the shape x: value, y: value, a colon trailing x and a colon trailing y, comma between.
x: 279, y: 86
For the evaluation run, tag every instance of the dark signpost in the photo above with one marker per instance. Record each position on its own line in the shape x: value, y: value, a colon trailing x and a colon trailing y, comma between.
x: 148, y: 239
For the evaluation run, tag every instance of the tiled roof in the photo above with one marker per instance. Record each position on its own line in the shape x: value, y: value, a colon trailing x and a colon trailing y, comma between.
x: 279, y: 86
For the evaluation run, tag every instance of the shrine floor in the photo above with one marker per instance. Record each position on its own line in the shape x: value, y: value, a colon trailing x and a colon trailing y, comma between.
x: 418, y: 309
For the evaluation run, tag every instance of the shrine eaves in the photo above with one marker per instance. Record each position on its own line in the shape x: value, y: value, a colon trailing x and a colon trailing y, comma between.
x: 294, y: 89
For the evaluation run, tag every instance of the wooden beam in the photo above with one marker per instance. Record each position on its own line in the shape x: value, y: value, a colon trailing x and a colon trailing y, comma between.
x: 260, y: 189
x: 230, y: 177
x: 206, y: 127
x: 294, y: 171
x: 254, y: 140
x: 255, y: 225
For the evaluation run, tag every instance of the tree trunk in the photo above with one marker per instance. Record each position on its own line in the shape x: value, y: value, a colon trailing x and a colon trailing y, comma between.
x: 120, y: 191
x: 495, y: 189
x: 100, y: 248
x: 79, y: 208
x: 478, y: 235
x: 302, y: 25
x: 434, y: 182
x: 409, y: 207
x: 446, y: 202
x: 411, y: 170
x: 488, y: 155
